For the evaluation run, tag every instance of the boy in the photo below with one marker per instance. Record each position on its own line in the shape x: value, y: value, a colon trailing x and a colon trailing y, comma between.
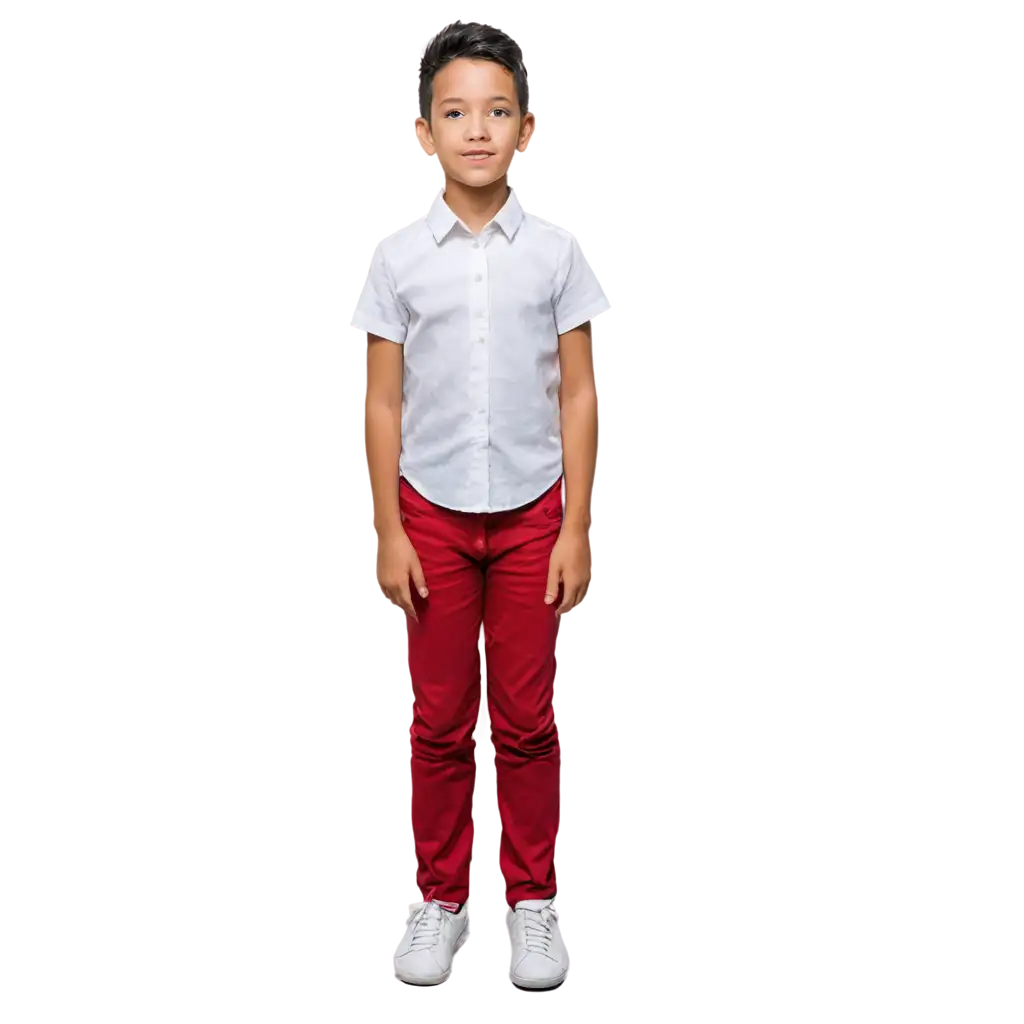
x: 480, y: 393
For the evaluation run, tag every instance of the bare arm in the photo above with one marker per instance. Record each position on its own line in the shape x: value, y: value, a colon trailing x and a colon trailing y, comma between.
x: 577, y: 395
x: 397, y: 561
x: 384, y: 365
x: 578, y: 399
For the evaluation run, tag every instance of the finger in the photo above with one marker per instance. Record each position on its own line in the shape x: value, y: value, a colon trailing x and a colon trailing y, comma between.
x: 583, y: 591
x: 551, y: 590
x: 418, y: 579
x: 568, y: 599
x: 405, y: 599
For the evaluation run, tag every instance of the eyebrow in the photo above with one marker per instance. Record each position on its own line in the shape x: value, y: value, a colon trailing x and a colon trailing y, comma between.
x: 459, y: 99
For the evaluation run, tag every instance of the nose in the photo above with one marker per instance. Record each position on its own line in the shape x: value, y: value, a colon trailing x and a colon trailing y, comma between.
x: 479, y: 132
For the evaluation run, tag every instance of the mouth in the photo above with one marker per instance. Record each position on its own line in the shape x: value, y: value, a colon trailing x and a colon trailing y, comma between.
x: 478, y: 157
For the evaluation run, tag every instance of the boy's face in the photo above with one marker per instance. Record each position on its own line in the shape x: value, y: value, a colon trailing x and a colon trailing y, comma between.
x: 474, y: 106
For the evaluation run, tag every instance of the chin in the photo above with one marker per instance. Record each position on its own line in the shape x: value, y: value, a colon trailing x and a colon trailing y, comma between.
x: 478, y: 180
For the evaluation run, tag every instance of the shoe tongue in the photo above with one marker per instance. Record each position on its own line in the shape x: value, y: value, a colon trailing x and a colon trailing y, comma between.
x: 452, y: 908
x: 534, y: 904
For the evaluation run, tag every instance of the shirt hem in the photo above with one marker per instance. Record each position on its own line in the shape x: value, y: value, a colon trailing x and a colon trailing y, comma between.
x: 485, y: 511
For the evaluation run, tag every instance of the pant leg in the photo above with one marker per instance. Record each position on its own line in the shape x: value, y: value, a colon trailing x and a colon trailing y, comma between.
x: 444, y: 665
x: 519, y: 642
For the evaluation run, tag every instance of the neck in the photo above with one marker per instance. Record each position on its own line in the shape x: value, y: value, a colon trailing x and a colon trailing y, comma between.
x: 475, y: 206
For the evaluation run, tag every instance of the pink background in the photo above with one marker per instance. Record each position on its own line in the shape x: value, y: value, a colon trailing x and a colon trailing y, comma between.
x: 202, y: 711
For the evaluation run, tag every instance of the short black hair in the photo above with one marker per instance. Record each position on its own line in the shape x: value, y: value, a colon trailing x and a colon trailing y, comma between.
x: 475, y: 42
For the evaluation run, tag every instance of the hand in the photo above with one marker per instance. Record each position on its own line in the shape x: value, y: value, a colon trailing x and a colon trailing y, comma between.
x: 396, y: 562
x: 570, y: 564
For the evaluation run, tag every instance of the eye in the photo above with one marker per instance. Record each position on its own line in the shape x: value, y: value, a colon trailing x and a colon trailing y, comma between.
x: 507, y: 113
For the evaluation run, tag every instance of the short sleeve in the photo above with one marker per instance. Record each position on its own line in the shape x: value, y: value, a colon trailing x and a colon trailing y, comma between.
x: 579, y: 296
x: 379, y: 310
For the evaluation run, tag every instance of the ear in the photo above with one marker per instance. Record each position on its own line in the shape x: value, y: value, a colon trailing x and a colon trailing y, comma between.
x: 420, y: 131
x: 526, y: 132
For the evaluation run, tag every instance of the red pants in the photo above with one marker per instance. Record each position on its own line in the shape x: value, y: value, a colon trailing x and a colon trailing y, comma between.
x: 489, y: 568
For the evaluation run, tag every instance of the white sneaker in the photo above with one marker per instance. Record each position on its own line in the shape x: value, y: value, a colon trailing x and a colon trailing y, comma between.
x: 539, y: 956
x: 433, y: 934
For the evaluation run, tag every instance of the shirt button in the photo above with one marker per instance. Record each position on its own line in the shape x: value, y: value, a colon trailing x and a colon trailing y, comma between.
x: 478, y: 277
x: 479, y: 339
x: 476, y: 245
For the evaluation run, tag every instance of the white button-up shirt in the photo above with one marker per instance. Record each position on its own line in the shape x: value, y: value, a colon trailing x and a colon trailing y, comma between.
x: 479, y: 316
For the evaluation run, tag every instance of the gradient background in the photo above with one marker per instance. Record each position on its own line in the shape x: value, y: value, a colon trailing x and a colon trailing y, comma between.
x: 202, y: 753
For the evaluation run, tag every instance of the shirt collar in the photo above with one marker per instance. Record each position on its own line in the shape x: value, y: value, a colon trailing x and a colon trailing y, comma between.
x: 442, y: 218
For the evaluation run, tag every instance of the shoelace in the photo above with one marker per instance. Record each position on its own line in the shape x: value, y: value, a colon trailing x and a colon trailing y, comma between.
x: 536, y: 924
x: 428, y: 927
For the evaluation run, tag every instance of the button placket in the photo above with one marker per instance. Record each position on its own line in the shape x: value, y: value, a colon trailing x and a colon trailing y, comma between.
x: 480, y: 356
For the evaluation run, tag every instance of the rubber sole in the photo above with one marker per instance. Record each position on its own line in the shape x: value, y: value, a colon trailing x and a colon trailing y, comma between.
x: 537, y: 986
